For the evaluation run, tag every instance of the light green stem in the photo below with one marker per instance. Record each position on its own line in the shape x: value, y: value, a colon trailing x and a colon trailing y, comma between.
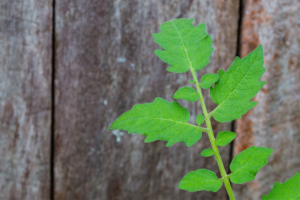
x: 213, y: 140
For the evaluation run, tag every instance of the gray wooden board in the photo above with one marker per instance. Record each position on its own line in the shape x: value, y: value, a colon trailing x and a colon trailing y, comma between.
x: 25, y: 98
x: 105, y: 64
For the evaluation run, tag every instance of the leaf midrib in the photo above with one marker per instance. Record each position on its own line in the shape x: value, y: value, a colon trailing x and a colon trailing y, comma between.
x: 200, y: 128
x: 223, y: 139
x: 239, y: 169
x: 183, y: 44
x: 295, y: 197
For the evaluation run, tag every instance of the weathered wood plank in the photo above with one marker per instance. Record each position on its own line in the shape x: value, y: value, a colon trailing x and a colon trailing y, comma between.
x: 105, y: 64
x: 25, y: 98
x: 275, y: 121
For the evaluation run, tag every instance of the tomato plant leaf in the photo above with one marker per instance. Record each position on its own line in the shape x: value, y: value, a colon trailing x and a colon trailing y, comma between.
x: 160, y: 120
x: 199, y: 119
x: 237, y: 86
x: 184, y: 45
x: 208, y: 80
x: 201, y: 179
x: 225, y: 137
x: 207, y: 152
x: 186, y: 93
x: 246, y: 164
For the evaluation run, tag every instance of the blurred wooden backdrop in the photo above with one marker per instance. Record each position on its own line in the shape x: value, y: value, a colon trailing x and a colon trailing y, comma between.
x: 68, y: 68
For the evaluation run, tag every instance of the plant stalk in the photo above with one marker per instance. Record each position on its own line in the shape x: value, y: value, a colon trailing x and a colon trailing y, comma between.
x: 212, y: 139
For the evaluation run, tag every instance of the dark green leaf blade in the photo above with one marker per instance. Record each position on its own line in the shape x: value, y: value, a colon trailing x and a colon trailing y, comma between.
x: 160, y: 120
x: 185, y: 46
x: 237, y: 86
x: 288, y: 190
x: 207, y: 152
x: 192, y: 81
x: 199, y: 119
x: 208, y: 80
x: 225, y: 137
x: 186, y: 93
x: 246, y: 164
x: 201, y: 179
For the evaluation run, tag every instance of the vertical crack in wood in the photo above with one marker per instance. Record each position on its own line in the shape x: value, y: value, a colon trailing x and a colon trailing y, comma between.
x: 52, y: 177
x: 231, y: 146
x: 239, y: 33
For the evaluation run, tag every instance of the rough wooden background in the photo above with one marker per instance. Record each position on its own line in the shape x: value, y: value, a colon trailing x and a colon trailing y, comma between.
x: 25, y: 98
x: 103, y: 65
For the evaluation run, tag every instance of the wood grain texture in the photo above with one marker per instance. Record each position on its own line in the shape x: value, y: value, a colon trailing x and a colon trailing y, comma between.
x: 25, y: 99
x: 275, y: 121
x: 105, y: 64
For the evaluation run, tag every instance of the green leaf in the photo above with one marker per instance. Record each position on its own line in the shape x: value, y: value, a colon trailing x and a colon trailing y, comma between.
x: 186, y: 93
x: 288, y: 190
x: 201, y: 179
x: 246, y: 164
x: 200, y: 119
x: 208, y: 80
x: 192, y: 81
x: 237, y: 86
x: 225, y: 137
x: 160, y: 120
x: 185, y: 46
x: 207, y: 152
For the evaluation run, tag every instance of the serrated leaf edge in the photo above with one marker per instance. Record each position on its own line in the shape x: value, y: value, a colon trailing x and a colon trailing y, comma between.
x: 200, y: 128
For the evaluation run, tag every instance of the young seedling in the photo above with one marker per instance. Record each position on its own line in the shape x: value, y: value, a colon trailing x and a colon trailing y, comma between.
x: 188, y: 48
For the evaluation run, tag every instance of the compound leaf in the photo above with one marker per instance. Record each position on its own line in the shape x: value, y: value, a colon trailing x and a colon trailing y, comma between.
x: 200, y: 119
x: 185, y: 46
x: 246, y: 164
x: 160, y: 120
x: 201, y: 179
x: 237, y: 86
x: 208, y: 80
x: 186, y: 93
x: 207, y: 152
x: 288, y: 190
x: 225, y: 137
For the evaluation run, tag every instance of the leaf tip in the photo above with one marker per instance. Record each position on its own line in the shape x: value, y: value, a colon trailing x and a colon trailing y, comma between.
x: 168, y: 144
x: 181, y: 185
x: 200, y: 119
x: 221, y: 72
x: 267, y: 150
x: 148, y: 139
x: 189, y: 144
x: 263, y: 83
x: 112, y: 126
x: 207, y: 152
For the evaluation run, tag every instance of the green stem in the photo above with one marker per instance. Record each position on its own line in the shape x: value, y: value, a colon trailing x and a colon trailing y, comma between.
x: 213, y: 140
